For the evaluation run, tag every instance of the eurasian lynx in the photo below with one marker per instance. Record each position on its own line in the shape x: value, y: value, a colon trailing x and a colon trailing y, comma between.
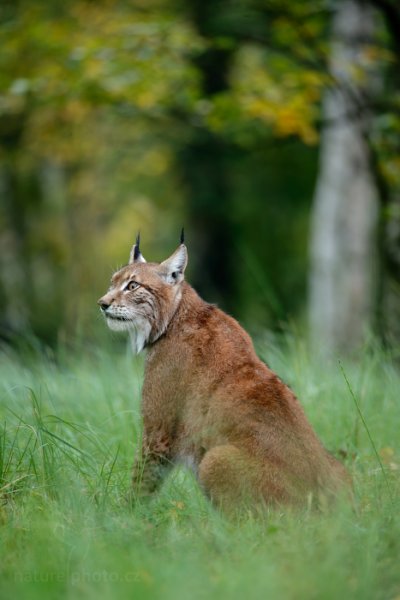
x: 208, y: 400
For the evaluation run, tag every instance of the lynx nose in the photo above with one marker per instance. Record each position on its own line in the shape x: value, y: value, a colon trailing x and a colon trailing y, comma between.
x: 103, y: 305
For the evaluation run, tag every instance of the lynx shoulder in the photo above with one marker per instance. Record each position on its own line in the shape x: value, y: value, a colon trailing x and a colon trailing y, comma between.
x: 208, y: 401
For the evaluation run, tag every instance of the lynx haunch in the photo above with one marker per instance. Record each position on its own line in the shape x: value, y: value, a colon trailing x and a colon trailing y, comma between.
x: 208, y: 401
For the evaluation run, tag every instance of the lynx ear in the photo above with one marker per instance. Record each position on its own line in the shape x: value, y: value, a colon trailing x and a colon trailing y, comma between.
x: 173, y: 268
x: 136, y: 255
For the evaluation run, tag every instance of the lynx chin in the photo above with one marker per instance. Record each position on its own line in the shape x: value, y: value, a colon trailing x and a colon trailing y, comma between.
x: 208, y: 401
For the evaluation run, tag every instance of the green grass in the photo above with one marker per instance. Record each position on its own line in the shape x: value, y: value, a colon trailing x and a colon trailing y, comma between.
x: 70, y: 425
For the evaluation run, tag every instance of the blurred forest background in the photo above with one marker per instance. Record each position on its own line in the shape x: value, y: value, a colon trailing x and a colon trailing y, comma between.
x: 270, y: 129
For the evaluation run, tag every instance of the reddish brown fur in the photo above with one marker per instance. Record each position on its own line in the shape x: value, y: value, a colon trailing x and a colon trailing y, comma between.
x: 210, y: 402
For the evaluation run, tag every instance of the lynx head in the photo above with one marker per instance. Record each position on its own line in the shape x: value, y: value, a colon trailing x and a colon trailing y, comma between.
x: 144, y: 296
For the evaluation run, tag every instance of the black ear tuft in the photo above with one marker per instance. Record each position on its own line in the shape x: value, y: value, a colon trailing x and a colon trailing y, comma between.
x: 137, y: 247
x: 182, y: 236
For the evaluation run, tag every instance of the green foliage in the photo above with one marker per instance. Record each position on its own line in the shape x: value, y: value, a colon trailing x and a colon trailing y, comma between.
x: 69, y: 527
x: 117, y: 116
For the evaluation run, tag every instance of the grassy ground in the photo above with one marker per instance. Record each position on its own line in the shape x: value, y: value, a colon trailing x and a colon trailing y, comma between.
x: 69, y: 430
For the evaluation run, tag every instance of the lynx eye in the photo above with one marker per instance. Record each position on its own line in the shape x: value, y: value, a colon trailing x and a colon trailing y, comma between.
x: 132, y: 285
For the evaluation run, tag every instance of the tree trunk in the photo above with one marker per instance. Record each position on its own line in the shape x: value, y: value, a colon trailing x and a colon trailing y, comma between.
x: 345, y: 214
x: 15, y: 271
x: 388, y: 309
x: 204, y: 167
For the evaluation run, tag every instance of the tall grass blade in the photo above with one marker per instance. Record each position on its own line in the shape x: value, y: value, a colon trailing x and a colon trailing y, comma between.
x: 357, y: 405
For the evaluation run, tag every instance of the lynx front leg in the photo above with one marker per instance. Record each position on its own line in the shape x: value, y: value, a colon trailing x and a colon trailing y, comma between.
x: 152, y: 465
x: 149, y: 471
